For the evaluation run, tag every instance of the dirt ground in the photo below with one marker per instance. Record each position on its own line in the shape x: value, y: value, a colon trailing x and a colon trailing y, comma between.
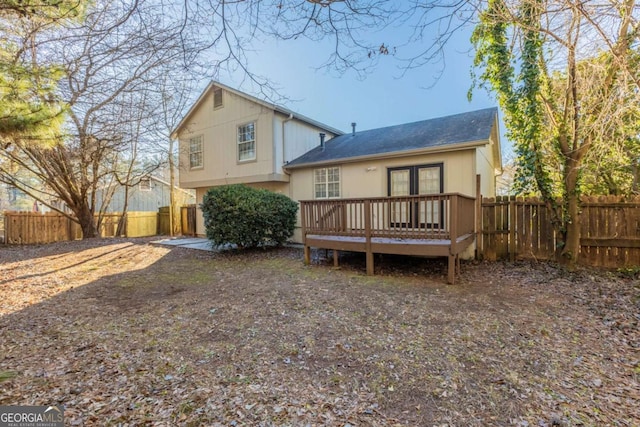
x: 123, y: 332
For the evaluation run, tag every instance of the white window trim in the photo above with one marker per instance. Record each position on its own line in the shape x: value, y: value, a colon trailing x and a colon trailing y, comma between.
x: 255, y: 142
x: 326, y: 183
x: 142, y: 187
x: 191, y: 167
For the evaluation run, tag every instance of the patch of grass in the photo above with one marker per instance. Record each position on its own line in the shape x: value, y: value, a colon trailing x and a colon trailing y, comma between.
x: 630, y: 272
x: 7, y: 375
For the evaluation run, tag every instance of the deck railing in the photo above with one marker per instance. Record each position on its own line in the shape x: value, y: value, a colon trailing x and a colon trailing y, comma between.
x: 437, y: 216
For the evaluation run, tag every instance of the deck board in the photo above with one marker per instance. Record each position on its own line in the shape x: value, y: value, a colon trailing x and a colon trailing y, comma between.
x: 384, y: 240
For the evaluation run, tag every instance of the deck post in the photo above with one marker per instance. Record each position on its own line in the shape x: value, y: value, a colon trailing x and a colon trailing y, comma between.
x: 453, y: 236
x: 336, y: 254
x: 303, y: 223
x: 454, y: 214
x: 367, y: 236
x: 451, y: 269
x: 478, y: 223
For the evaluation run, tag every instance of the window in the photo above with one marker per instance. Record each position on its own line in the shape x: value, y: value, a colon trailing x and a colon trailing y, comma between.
x: 13, y: 194
x: 217, y: 98
x: 327, y: 183
x: 195, y: 152
x: 145, y: 184
x: 247, y: 142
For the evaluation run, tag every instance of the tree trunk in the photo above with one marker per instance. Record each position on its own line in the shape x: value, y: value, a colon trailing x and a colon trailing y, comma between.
x: 121, y: 230
x: 173, y: 213
x: 87, y: 222
x: 571, y: 215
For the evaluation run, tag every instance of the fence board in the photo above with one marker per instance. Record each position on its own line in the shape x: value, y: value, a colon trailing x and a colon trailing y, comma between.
x: 188, y: 220
x: 164, y: 223
x: 610, y: 228
x: 489, y: 229
x: 502, y: 228
x: 142, y: 224
x: 23, y: 228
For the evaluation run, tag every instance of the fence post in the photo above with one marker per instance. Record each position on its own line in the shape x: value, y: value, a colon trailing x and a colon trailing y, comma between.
x: 478, y: 224
x: 7, y: 227
x: 513, y: 247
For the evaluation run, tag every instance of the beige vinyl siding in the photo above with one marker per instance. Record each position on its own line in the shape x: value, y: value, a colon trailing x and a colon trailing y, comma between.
x: 219, y: 128
x: 485, y: 167
x: 369, y: 178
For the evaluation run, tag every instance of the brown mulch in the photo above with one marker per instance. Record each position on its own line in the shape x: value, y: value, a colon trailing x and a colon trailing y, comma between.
x: 123, y: 332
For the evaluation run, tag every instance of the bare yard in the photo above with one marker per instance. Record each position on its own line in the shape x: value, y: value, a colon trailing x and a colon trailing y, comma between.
x: 124, y: 332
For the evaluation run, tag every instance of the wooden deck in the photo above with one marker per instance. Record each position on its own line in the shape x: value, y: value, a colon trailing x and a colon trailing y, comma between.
x: 427, y: 225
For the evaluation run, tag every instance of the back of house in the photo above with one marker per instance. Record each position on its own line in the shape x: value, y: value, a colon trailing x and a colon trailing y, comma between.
x: 230, y: 137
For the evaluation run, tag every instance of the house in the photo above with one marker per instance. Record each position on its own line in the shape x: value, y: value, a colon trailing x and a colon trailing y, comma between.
x: 14, y: 199
x: 229, y: 137
x: 441, y: 155
x: 148, y: 195
x: 419, y: 176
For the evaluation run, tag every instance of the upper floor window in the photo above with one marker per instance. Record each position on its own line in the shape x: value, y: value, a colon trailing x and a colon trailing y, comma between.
x: 14, y: 193
x: 145, y: 184
x: 195, y: 152
x: 217, y: 98
x: 327, y: 183
x: 247, y: 142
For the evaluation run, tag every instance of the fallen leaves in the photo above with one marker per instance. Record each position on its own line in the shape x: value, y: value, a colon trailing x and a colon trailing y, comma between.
x: 123, y: 332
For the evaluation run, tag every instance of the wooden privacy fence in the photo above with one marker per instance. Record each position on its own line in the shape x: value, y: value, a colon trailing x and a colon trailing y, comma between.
x: 39, y: 228
x: 186, y: 221
x: 164, y: 223
x: 517, y: 228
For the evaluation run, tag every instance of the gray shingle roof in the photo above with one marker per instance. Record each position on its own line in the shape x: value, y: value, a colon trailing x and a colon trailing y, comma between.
x: 443, y: 131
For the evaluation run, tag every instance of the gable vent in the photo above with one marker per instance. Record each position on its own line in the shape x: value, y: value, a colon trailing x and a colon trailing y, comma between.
x: 217, y: 97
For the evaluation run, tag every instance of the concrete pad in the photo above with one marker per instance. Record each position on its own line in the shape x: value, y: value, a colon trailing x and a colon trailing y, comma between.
x: 190, y: 242
x: 203, y: 246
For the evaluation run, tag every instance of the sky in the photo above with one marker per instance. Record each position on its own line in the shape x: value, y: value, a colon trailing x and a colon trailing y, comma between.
x: 385, y: 97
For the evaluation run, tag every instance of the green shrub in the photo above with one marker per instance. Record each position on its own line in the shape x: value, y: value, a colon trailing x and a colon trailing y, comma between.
x: 247, y: 217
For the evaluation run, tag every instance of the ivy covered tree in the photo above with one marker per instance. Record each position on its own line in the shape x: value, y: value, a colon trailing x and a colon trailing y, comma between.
x: 566, y: 76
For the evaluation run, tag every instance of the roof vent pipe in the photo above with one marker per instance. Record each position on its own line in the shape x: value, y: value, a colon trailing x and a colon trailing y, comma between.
x: 322, y: 135
x: 353, y: 128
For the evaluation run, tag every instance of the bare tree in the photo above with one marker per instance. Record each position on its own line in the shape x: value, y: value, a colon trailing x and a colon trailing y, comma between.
x: 173, y: 96
x: 109, y: 60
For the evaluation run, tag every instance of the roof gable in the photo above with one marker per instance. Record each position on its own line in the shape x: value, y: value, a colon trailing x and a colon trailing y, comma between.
x: 448, y: 132
x: 213, y: 84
